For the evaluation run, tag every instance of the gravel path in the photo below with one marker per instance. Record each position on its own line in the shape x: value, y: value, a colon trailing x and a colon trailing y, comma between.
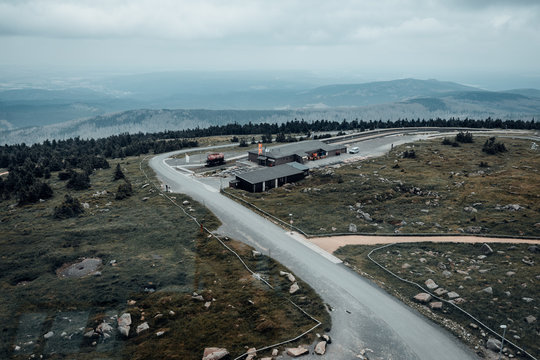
x: 332, y: 243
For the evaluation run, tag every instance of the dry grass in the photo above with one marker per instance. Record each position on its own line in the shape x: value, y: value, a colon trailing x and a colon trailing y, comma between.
x: 433, y: 193
x: 156, y: 247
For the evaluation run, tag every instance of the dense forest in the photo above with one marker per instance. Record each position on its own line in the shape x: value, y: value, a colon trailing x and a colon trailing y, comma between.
x: 30, y: 166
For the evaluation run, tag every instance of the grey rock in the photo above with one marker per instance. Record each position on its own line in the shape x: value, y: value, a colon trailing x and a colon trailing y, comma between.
x: 440, y: 291
x: 422, y: 297
x: 352, y: 228
x: 446, y: 273
x: 298, y: 351
x: 530, y: 319
x: 493, y: 344
x: 327, y: 338
x: 320, y: 348
x: 473, y: 229
x: 488, y: 290
x: 294, y: 288
x: 534, y: 249
x: 486, y: 249
x: 291, y: 278
x: 436, y: 305
x: 124, y: 320
x: 214, y: 353
x: 48, y: 335
x: 431, y: 285
x: 252, y: 354
x: 143, y: 327
x: 510, y: 273
x: 256, y: 253
x: 452, y: 295
x: 527, y: 299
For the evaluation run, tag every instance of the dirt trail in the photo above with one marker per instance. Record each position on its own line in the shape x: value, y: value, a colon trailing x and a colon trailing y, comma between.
x: 332, y: 243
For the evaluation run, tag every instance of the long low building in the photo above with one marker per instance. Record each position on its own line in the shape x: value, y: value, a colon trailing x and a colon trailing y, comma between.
x: 269, y: 178
x: 299, y: 152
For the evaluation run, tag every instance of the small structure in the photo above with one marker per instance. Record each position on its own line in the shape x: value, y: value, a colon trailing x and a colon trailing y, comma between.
x: 299, y: 152
x: 269, y: 178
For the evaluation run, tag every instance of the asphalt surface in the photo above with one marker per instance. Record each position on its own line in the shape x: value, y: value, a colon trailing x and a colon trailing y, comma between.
x: 363, y: 315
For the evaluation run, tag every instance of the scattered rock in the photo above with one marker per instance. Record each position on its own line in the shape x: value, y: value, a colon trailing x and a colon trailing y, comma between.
x: 131, y: 302
x: 473, y: 325
x: 207, y: 304
x: 124, y: 323
x: 256, y: 253
x: 435, y: 305
x: 48, y: 335
x: 252, y: 354
x: 493, y: 344
x: 352, y: 228
x: 295, y: 352
x: 422, y: 297
x: 145, y: 198
x: 275, y: 352
x: 90, y: 334
x: 440, y: 291
x: 510, y: 273
x: 470, y: 209
x: 327, y: 338
x: 160, y: 333
x: 431, y: 285
x: 85, y: 205
x: 527, y: 299
x: 452, y: 295
x: 197, y: 297
x: 488, y: 290
x: 143, y: 327
x: 481, y: 257
x: 534, y: 249
x: 104, y: 327
x: 473, y: 229
x: 294, y: 288
x: 405, y: 266
x: 486, y: 249
x: 528, y: 262
x: 291, y: 277
x: 214, y: 353
x: 185, y: 202
x: 320, y: 348
x: 283, y: 273
x: 530, y: 319
x: 458, y: 301
x: 446, y: 274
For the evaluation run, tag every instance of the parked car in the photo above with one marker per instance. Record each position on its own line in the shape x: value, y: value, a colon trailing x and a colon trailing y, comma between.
x: 354, y: 150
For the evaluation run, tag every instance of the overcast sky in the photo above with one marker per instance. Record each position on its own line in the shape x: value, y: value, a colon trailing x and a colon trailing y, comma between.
x: 457, y: 40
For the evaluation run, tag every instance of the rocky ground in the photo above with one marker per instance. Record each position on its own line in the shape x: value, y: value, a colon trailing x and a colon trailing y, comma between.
x: 497, y: 283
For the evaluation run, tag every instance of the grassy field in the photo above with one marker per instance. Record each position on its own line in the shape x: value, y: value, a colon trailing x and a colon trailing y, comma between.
x: 153, y: 259
x: 513, y: 284
x: 443, y: 190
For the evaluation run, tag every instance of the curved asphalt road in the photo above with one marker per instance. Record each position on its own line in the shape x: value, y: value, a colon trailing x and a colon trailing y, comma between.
x: 364, y: 316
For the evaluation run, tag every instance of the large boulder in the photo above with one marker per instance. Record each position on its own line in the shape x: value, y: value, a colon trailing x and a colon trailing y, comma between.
x: 431, y: 285
x: 124, y: 323
x: 422, y: 297
x: 214, y: 353
x: 320, y: 348
x: 295, y: 352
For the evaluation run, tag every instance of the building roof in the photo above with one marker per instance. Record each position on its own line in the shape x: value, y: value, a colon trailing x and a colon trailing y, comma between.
x: 301, y: 148
x: 271, y: 173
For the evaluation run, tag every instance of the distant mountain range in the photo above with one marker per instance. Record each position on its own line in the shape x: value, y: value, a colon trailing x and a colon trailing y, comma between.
x: 32, y: 115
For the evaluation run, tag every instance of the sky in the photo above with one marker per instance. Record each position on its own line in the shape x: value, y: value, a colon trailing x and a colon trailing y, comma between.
x: 490, y: 43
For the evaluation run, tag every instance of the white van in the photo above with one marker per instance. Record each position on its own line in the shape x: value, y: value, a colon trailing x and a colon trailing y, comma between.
x: 354, y: 150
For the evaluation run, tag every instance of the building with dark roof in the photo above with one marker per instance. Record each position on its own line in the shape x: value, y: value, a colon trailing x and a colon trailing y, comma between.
x: 269, y: 178
x: 299, y: 152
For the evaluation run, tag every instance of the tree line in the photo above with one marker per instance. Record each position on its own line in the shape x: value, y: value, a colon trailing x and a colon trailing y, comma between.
x: 30, y: 166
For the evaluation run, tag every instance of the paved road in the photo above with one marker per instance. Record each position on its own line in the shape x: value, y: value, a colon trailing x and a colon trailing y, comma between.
x: 364, y: 316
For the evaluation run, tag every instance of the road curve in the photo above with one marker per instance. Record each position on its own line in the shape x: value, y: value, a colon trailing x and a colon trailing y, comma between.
x: 363, y: 316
